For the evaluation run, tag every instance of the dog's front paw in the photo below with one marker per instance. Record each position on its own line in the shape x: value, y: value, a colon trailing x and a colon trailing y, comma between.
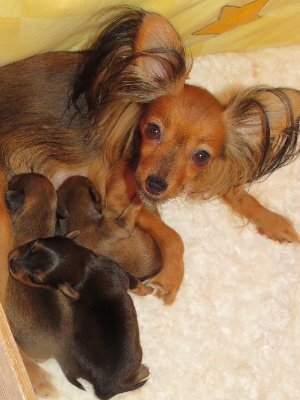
x: 167, y: 285
x: 278, y: 228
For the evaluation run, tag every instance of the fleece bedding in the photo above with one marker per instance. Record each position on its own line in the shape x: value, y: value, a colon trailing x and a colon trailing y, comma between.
x: 233, y: 332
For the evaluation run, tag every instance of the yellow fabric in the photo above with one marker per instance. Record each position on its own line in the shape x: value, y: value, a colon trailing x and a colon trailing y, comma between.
x: 33, y: 26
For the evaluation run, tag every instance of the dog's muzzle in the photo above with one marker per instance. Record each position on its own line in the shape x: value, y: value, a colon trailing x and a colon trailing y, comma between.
x: 155, y: 185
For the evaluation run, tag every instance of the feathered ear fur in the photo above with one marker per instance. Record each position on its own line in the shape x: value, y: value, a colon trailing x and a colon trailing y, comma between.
x: 136, y: 59
x: 262, y: 136
x: 264, y: 122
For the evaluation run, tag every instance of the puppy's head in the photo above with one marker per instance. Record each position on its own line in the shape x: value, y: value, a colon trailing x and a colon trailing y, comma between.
x: 56, y: 262
x: 32, y: 203
x: 82, y: 202
x: 79, y: 193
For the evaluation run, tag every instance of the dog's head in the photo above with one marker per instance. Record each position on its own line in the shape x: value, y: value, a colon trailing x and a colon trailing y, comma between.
x: 82, y: 202
x: 56, y: 262
x: 182, y: 135
x: 32, y: 203
x: 192, y: 143
x: 134, y: 83
x: 26, y: 191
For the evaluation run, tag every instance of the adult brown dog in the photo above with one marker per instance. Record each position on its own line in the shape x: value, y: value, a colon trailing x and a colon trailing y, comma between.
x: 124, y: 104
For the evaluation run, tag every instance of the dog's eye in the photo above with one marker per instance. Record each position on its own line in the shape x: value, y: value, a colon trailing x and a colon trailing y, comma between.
x: 201, y: 158
x: 152, y: 131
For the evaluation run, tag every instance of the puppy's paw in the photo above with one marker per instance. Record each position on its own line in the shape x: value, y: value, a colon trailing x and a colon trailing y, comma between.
x: 278, y: 228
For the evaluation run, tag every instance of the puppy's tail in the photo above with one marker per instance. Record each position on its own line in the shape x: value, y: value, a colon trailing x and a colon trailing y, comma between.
x: 74, y: 381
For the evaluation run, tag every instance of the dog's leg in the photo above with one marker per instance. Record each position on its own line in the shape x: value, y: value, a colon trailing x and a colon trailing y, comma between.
x: 168, y: 280
x: 267, y: 222
x: 128, y: 218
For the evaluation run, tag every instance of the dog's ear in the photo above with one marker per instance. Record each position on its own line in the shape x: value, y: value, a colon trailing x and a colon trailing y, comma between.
x: 61, y: 211
x: 263, y: 129
x: 68, y: 291
x: 14, y: 199
x: 73, y: 234
x: 159, y: 46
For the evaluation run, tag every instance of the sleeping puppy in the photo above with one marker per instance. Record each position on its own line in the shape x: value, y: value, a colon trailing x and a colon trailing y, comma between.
x: 41, y: 321
x: 105, y: 350
x: 116, y: 238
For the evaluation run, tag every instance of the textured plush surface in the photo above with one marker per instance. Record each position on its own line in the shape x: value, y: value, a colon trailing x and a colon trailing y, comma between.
x: 234, y: 331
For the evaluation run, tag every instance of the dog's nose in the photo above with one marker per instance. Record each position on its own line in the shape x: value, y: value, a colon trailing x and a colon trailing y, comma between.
x: 155, y: 185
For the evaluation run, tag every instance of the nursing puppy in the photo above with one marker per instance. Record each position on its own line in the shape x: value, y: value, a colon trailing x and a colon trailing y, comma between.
x: 41, y: 321
x: 115, y: 237
x: 105, y: 349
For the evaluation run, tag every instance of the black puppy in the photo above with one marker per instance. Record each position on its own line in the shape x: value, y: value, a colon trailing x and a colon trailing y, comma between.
x: 106, y: 349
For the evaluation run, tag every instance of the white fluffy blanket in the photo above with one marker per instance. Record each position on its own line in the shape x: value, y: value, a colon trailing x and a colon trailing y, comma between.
x: 234, y: 331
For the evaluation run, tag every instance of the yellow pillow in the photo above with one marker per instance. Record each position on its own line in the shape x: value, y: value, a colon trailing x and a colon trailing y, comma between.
x: 28, y: 27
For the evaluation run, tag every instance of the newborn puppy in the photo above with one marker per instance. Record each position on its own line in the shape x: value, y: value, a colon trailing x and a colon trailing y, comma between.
x: 40, y: 320
x: 106, y: 349
x: 116, y: 238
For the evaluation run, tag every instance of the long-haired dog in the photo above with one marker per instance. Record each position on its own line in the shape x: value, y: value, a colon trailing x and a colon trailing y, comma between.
x: 124, y: 104
x: 105, y: 348
x: 41, y: 322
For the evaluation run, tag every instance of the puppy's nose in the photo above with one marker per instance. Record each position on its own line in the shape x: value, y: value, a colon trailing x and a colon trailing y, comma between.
x: 155, y: 185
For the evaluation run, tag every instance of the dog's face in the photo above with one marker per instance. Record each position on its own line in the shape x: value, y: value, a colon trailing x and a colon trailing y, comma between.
x: 182, y: 136
x: 55, y: 262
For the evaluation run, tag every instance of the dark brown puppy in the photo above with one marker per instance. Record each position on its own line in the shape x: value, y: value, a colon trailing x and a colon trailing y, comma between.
x: 41, y: 321
x: 117, y: 238
x: 106, y: 348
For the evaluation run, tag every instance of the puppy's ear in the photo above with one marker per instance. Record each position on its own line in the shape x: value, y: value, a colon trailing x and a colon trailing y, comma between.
x: 96, y: 198
x: 14, y: 199
x: 61, y: 212
x: 73, y: 234
x: 68, y: 291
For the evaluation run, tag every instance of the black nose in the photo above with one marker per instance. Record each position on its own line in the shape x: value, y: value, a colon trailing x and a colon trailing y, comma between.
x: 155, y: 185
